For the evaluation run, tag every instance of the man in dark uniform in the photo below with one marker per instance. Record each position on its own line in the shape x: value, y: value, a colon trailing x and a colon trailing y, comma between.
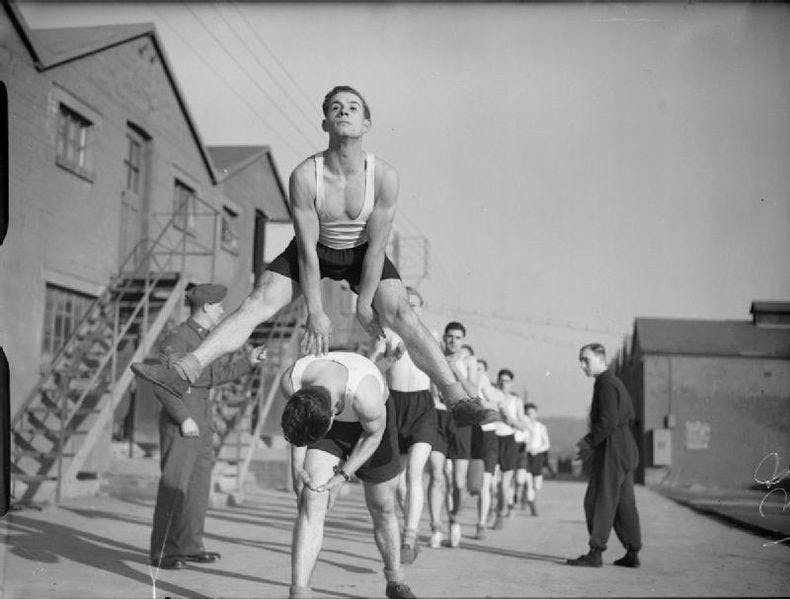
x: 611, y: 453
x: 185, y: 436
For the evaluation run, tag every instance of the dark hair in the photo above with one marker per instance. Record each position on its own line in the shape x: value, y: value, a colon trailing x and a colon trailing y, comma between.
x: 483, y: 362
x: 506, y: 371
x: 455, y: 326
x: 415, y: 293
x: 530, y: 406
x: 307, y: 415
x: 468, y: 347
x: 596, y: 348
x: 344, y: 88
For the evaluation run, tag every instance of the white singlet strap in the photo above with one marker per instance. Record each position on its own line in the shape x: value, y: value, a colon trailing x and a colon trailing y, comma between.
x: 319, y: 182
x: 370, y: 188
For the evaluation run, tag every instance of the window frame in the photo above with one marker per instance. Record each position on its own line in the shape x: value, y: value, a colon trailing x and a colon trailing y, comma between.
x: 229, y: 219
x: 72, y: 141
x: 189, y: 225
x: 63, y: 309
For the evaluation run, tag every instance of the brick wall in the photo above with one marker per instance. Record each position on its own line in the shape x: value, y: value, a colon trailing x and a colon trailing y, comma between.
x: 66, y: 229
x: 730, y: 413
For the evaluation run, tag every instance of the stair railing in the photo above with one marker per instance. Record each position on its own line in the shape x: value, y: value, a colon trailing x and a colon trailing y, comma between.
x: 294, y: 314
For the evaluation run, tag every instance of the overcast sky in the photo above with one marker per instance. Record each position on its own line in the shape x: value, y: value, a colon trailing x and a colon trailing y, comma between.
x: 573, y: 166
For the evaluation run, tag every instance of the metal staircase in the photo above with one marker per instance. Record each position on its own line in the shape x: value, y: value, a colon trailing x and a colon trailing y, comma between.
x: 67, y: 411
x: 243, y: 407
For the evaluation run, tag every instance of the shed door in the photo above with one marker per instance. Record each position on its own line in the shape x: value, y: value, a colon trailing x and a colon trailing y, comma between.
x: 133, y: 202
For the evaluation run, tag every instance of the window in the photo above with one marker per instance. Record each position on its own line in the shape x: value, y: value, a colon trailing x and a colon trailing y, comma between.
x: 184, y: 207
x: 72, y: 140
x: 63, y: 310
x: 228, y: 233
x: 132, y: 162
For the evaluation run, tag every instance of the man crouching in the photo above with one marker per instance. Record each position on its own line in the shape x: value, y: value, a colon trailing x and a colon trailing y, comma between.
x: 340, y: 423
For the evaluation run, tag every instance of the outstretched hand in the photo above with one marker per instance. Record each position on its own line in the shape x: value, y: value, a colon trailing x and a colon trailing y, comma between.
x: 315, y: 339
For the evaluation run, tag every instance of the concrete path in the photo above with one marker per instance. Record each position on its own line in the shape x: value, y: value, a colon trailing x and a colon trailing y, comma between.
x: 97, y: 547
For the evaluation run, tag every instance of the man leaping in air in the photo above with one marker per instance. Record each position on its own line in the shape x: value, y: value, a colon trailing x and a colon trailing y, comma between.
x: 344, y: 202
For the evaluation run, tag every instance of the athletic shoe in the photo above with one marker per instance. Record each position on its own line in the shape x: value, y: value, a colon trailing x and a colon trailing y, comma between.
x: 455, y: 534
x: 161, y: 376
x: 436, y: 539
x: 480, y: 534
x: 408, y: 553
x: 629, y: 560
x: 471, y: 411
x: 399, y: 590
x: 588, y: 560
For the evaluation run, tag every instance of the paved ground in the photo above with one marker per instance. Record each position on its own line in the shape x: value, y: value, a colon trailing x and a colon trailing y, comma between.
x: 96, y: 547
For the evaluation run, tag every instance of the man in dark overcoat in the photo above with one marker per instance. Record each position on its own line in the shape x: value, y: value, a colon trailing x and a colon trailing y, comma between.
x: 611, y: 456
x: 186, y: 436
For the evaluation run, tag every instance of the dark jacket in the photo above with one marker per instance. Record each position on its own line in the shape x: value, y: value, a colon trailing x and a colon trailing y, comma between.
x: 183, y: 339
x: 611, y: 417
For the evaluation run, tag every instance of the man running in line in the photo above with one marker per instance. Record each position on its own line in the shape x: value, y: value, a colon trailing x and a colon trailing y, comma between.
x: 464, y: 368
x: 513, y: 412
x: 484, y: 446
x: 415, y: 415
x: 529, y: 475
x: 344, y: 201
x: 340, y: 422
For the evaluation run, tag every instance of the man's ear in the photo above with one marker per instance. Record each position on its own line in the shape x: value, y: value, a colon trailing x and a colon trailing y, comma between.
x: 323, y: 125
x: 367, y: 125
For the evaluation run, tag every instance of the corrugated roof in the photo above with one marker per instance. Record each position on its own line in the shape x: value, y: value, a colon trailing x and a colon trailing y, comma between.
x: 230, y: 160
x: 709, y: 338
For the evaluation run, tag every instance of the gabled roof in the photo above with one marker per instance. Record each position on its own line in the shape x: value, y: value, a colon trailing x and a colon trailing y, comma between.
x: 231, y: 160
x: 709, y: 338
x: 58, y: 46
x: 50, y: 48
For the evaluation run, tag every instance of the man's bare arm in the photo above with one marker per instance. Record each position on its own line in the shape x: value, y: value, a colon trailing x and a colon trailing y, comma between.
x: 378, y: 228
x: 372, y: 414
x: 302, y: 191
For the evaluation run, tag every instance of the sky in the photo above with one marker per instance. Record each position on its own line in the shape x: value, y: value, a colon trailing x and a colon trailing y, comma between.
x: 572, y: 166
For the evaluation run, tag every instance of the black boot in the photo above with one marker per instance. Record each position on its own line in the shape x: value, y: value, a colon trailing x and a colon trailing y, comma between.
x: 589, y: 560
x: 629, y: 560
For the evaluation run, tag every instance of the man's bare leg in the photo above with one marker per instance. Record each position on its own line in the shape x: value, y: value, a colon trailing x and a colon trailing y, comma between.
x: 380, y: 499
x: 484, y: 504
x: 272, y: 293
x: 418, y: 456
x: 436, y: 495
x: 308, y: 533
x: 505, y: 499
x: 392, y: 305
x: 460, y: 470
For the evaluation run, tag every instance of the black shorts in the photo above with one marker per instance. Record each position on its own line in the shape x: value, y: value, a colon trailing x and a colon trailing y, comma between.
x: 508, y: 453
x: 444, y: 431
x: 415, y: 417
x: 485, y: 447
x: 523, y: 457
x: 535, y: 463
x: 339, y: 265
x: 383, y: 465
x: 459, y: 445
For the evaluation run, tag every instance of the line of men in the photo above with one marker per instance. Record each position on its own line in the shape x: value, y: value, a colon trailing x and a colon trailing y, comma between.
x: 340, y: 417
x: 501, y: 463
